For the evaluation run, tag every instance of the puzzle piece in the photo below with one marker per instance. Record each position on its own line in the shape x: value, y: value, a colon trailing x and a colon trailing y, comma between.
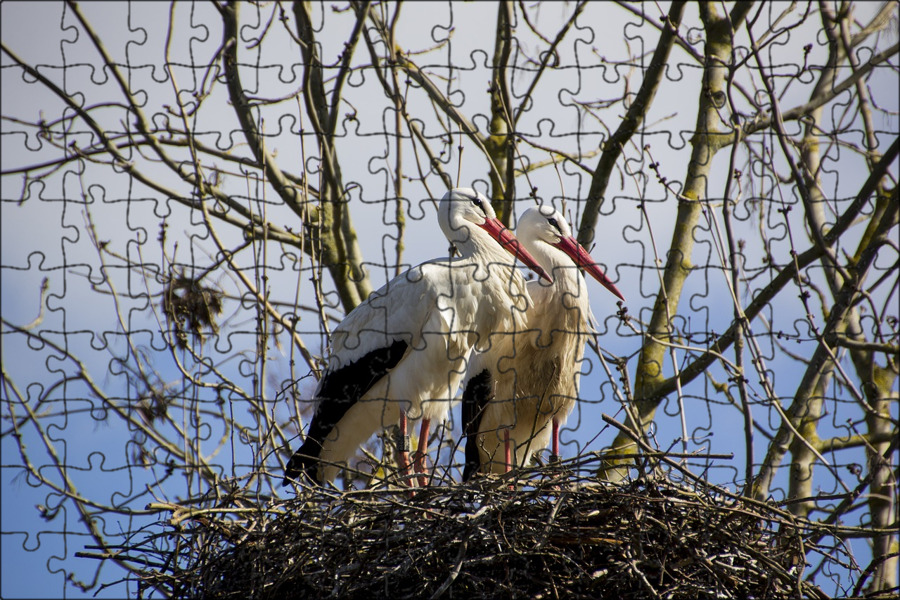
x: 185, y: 227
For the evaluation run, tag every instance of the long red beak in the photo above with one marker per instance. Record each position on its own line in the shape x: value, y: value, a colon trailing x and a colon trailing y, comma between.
x: 583, y: 259
x: 509, y: 242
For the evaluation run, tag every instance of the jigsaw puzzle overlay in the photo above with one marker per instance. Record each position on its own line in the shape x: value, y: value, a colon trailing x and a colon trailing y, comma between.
x: 214, y: 217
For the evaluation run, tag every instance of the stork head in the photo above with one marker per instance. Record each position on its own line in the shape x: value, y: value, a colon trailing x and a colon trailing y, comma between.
x: 461, y: 209
x: 544, y: 224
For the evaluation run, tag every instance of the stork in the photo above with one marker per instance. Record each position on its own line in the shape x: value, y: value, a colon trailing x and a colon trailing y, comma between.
x: 402, y: 352
x: 529, y: 380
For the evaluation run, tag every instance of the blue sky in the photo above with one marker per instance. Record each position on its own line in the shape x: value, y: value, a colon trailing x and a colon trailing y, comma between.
x: 44, y: 237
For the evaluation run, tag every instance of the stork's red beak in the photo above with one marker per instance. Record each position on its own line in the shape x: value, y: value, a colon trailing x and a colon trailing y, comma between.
x: 583, y: 259
x: 509, y: 242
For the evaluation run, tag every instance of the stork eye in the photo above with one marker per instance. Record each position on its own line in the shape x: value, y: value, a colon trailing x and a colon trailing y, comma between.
x: 478, y: 202
x: 554, y: 223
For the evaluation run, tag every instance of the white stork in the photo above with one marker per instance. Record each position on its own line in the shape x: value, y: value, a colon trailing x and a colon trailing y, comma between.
x: 402, y: 352
x: 528, y: 380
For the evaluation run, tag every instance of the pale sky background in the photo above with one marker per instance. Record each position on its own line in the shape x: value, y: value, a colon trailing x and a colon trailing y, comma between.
x: 45, y: 237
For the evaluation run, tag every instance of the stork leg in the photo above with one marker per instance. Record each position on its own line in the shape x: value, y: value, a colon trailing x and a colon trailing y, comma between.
x: 506, y: 450
x: 403, y: 450
x: 554, y: 455
x: 421, y: 451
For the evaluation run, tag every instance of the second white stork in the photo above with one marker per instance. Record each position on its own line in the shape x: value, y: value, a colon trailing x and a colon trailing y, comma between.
x: 403, y: 350
x: 521, y: 390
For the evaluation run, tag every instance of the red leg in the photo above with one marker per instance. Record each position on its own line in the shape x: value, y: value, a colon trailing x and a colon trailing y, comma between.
x: 403, y: 450
x: 508, y: 455
x: 554, y: 456
x: 506, y: 450
x: 421, y: 451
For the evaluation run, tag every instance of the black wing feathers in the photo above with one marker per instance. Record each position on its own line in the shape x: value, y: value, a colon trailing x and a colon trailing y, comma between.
x: 478, y: 392
x: 340, y: 390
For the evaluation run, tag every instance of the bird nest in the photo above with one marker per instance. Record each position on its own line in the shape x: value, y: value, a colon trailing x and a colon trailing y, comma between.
x: 555, y: 535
